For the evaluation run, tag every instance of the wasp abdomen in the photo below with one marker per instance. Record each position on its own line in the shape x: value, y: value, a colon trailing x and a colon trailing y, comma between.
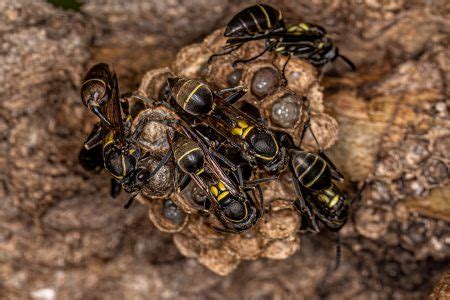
x: 254, y: 19
x: 95, y: 83
x: 312, y: 171
x: 192, y: 95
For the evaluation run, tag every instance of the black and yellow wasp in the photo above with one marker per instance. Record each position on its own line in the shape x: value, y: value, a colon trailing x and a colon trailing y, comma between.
x: 120, y: 156
x: 258, y: 145
x: 236, y: 204
x: 263, y: 22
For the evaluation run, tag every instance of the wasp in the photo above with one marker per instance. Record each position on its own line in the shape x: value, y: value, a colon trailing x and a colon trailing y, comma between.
x: 258, y: 145
x: 253, y: 23
x: 304, y: 40
x: 228, y: 197
x: 120, y: 156
x: 318, y: 197
x: 97, y: 94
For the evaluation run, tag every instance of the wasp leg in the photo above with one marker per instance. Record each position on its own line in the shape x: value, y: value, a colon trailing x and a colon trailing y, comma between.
x: 222, y: 230
x: 284, y: 81
x: 223, y: 160
x: 236, y: 47
x: 163, y: 161
x: 130, y: 201
x: 116, y: 188
x: 96, y: 110
x: 229, y: 90
x: 348, y: 61
x: 260, y: 180
x: 182, y: 184
x: 334, y: 170
x: 268, y: 48
x: 303, y: 208
x: 233, y: 98
x: 94, y: 138
x: 357, y: 196
x: 338, y: 252
x: 261, y: 201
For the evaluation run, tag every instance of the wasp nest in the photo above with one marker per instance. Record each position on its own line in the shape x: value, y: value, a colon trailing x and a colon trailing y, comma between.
x: 282, y: 108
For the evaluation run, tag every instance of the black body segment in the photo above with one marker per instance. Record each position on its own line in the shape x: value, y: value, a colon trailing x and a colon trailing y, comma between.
x: 192, y: 95
x: 188, y: 155
x: 311, y: 170
x: 256, y: 19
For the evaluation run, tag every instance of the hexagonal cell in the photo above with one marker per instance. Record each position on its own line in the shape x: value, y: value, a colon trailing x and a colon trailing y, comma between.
x: 167, y: 216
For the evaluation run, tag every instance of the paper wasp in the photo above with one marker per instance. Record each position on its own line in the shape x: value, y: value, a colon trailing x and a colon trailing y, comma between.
x: 262, y: 22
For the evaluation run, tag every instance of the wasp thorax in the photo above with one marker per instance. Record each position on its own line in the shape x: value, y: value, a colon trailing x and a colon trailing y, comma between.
x: 233, y: 209
x: 194, y: 96
x: 264, y: 82
x: 118, y: 162
x: 286, y: 111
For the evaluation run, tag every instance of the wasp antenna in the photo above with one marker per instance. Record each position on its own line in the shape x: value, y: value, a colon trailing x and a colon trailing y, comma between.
x: 348, y: 62
x: 338, y: 252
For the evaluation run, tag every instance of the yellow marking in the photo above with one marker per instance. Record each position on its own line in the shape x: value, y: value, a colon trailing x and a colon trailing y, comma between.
x: 200, y: 172
x: 256, y: 22
x: 279, y: 49
x: 190, y: 95
x: 307, y: 169
x: 237, y: 131
x: 317, y: 177
x: 280, y: 15
x: 132, y: 151
x: 242, y: 124
x: 222, y: 195
x: 221, y: 186
x: 292, y: 28
x: 320, y: 46
x: 186, y: 153
x: 247, y: 131
x: 333, y: 201
x: 214, y: 190
x: 269, y: 25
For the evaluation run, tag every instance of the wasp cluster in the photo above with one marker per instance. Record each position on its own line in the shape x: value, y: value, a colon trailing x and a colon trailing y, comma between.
x: 283, y: 109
